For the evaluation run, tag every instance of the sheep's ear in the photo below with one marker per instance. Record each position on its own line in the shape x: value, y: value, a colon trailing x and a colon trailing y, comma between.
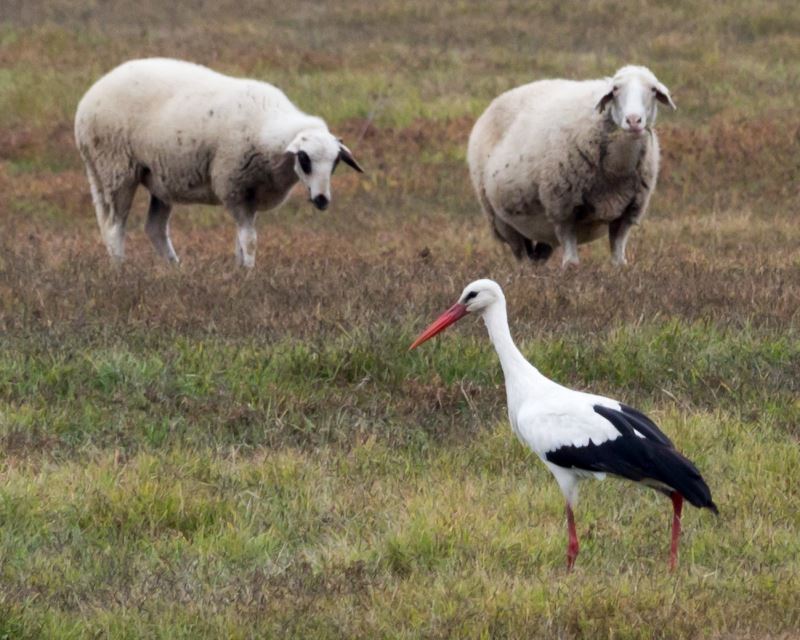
x: 662, y: 95
x: 346, y: 156
x: 601, y: 106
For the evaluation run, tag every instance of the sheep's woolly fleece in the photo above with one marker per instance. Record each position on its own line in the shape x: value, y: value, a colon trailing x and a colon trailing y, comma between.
x: 551, y: 164
x: 192, y: 135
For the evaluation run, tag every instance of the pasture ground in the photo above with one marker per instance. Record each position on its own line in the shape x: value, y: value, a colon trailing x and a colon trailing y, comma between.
x: 199, y: 452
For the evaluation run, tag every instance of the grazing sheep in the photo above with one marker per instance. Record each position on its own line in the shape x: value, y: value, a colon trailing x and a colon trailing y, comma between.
x: 559, y: 161
x: 191, y: 135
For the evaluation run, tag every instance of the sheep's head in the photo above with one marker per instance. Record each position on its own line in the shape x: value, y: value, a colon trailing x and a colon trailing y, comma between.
x: 632, y: 96
x: 316, y: 154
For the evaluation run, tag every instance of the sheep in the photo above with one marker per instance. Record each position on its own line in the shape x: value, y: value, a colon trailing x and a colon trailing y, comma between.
x: 192, y: 135
x: 560, y: 162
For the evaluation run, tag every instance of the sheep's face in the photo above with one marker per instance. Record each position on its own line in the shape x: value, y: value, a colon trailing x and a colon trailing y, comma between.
x: 316, y: 154
x: 633, y: 98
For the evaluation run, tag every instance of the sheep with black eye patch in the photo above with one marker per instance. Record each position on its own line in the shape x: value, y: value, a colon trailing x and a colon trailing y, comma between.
x: 192, y: 135
x: 561, y: 162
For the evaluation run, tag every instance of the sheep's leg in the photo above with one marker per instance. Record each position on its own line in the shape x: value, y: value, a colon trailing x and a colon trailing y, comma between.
x: 245, y: 237
x: 502, y: 231
x: 157, y: 228
x: 100, y: 209
x: 508, y: 234
x: 112, y: 195
x: 246, y: 245
x: 567, y: 237
x: 118, y: 206
x: 239, y: 253
x: 538, y: 251
x: 103, y: 211
x: 618, y: 232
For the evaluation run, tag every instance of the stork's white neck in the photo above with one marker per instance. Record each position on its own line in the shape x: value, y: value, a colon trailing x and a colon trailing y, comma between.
x: 511, y: 359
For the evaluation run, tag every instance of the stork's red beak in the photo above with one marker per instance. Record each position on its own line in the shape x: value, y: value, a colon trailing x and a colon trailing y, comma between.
x: 453, y: 314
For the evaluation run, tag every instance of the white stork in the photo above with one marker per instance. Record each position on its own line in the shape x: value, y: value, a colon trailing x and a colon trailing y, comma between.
x: 578, y: 435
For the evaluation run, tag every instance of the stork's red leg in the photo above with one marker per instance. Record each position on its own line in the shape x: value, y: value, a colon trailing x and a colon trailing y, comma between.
x: 677, y: 506
x: 573, y: 546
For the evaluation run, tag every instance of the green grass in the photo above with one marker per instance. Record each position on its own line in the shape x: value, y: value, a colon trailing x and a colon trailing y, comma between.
x: 268, y: 489
x: 458, y: 541
x: 180, y: 392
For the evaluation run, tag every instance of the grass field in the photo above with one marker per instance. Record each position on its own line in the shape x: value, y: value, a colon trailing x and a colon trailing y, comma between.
x: 199, y: 452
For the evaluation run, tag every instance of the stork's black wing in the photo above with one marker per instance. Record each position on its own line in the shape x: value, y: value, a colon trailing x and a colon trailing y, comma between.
x: 640, y: 422
x: 651, y: 457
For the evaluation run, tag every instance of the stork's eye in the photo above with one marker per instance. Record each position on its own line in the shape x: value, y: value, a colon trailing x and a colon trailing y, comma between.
x: 305, y: 161
x: 471, y: 295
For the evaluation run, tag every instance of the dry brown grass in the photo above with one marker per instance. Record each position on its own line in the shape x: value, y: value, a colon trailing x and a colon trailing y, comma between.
x: 310, y: 282
x: 710, y: 250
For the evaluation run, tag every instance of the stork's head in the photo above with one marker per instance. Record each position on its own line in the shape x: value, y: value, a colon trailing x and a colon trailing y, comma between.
x: 632, y: 96
x: 316, y: 154
x: 477, y: 297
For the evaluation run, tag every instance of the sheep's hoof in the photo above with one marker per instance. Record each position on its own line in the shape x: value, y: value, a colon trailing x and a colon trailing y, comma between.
x: 538, y: 251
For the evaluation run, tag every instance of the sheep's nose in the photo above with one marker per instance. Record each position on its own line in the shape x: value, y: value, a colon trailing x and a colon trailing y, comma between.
x: 634, y: 121
x: 320, y: 202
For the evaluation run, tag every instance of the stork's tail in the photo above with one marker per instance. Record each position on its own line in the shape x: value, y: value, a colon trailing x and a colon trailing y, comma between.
x: 685, y: 478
